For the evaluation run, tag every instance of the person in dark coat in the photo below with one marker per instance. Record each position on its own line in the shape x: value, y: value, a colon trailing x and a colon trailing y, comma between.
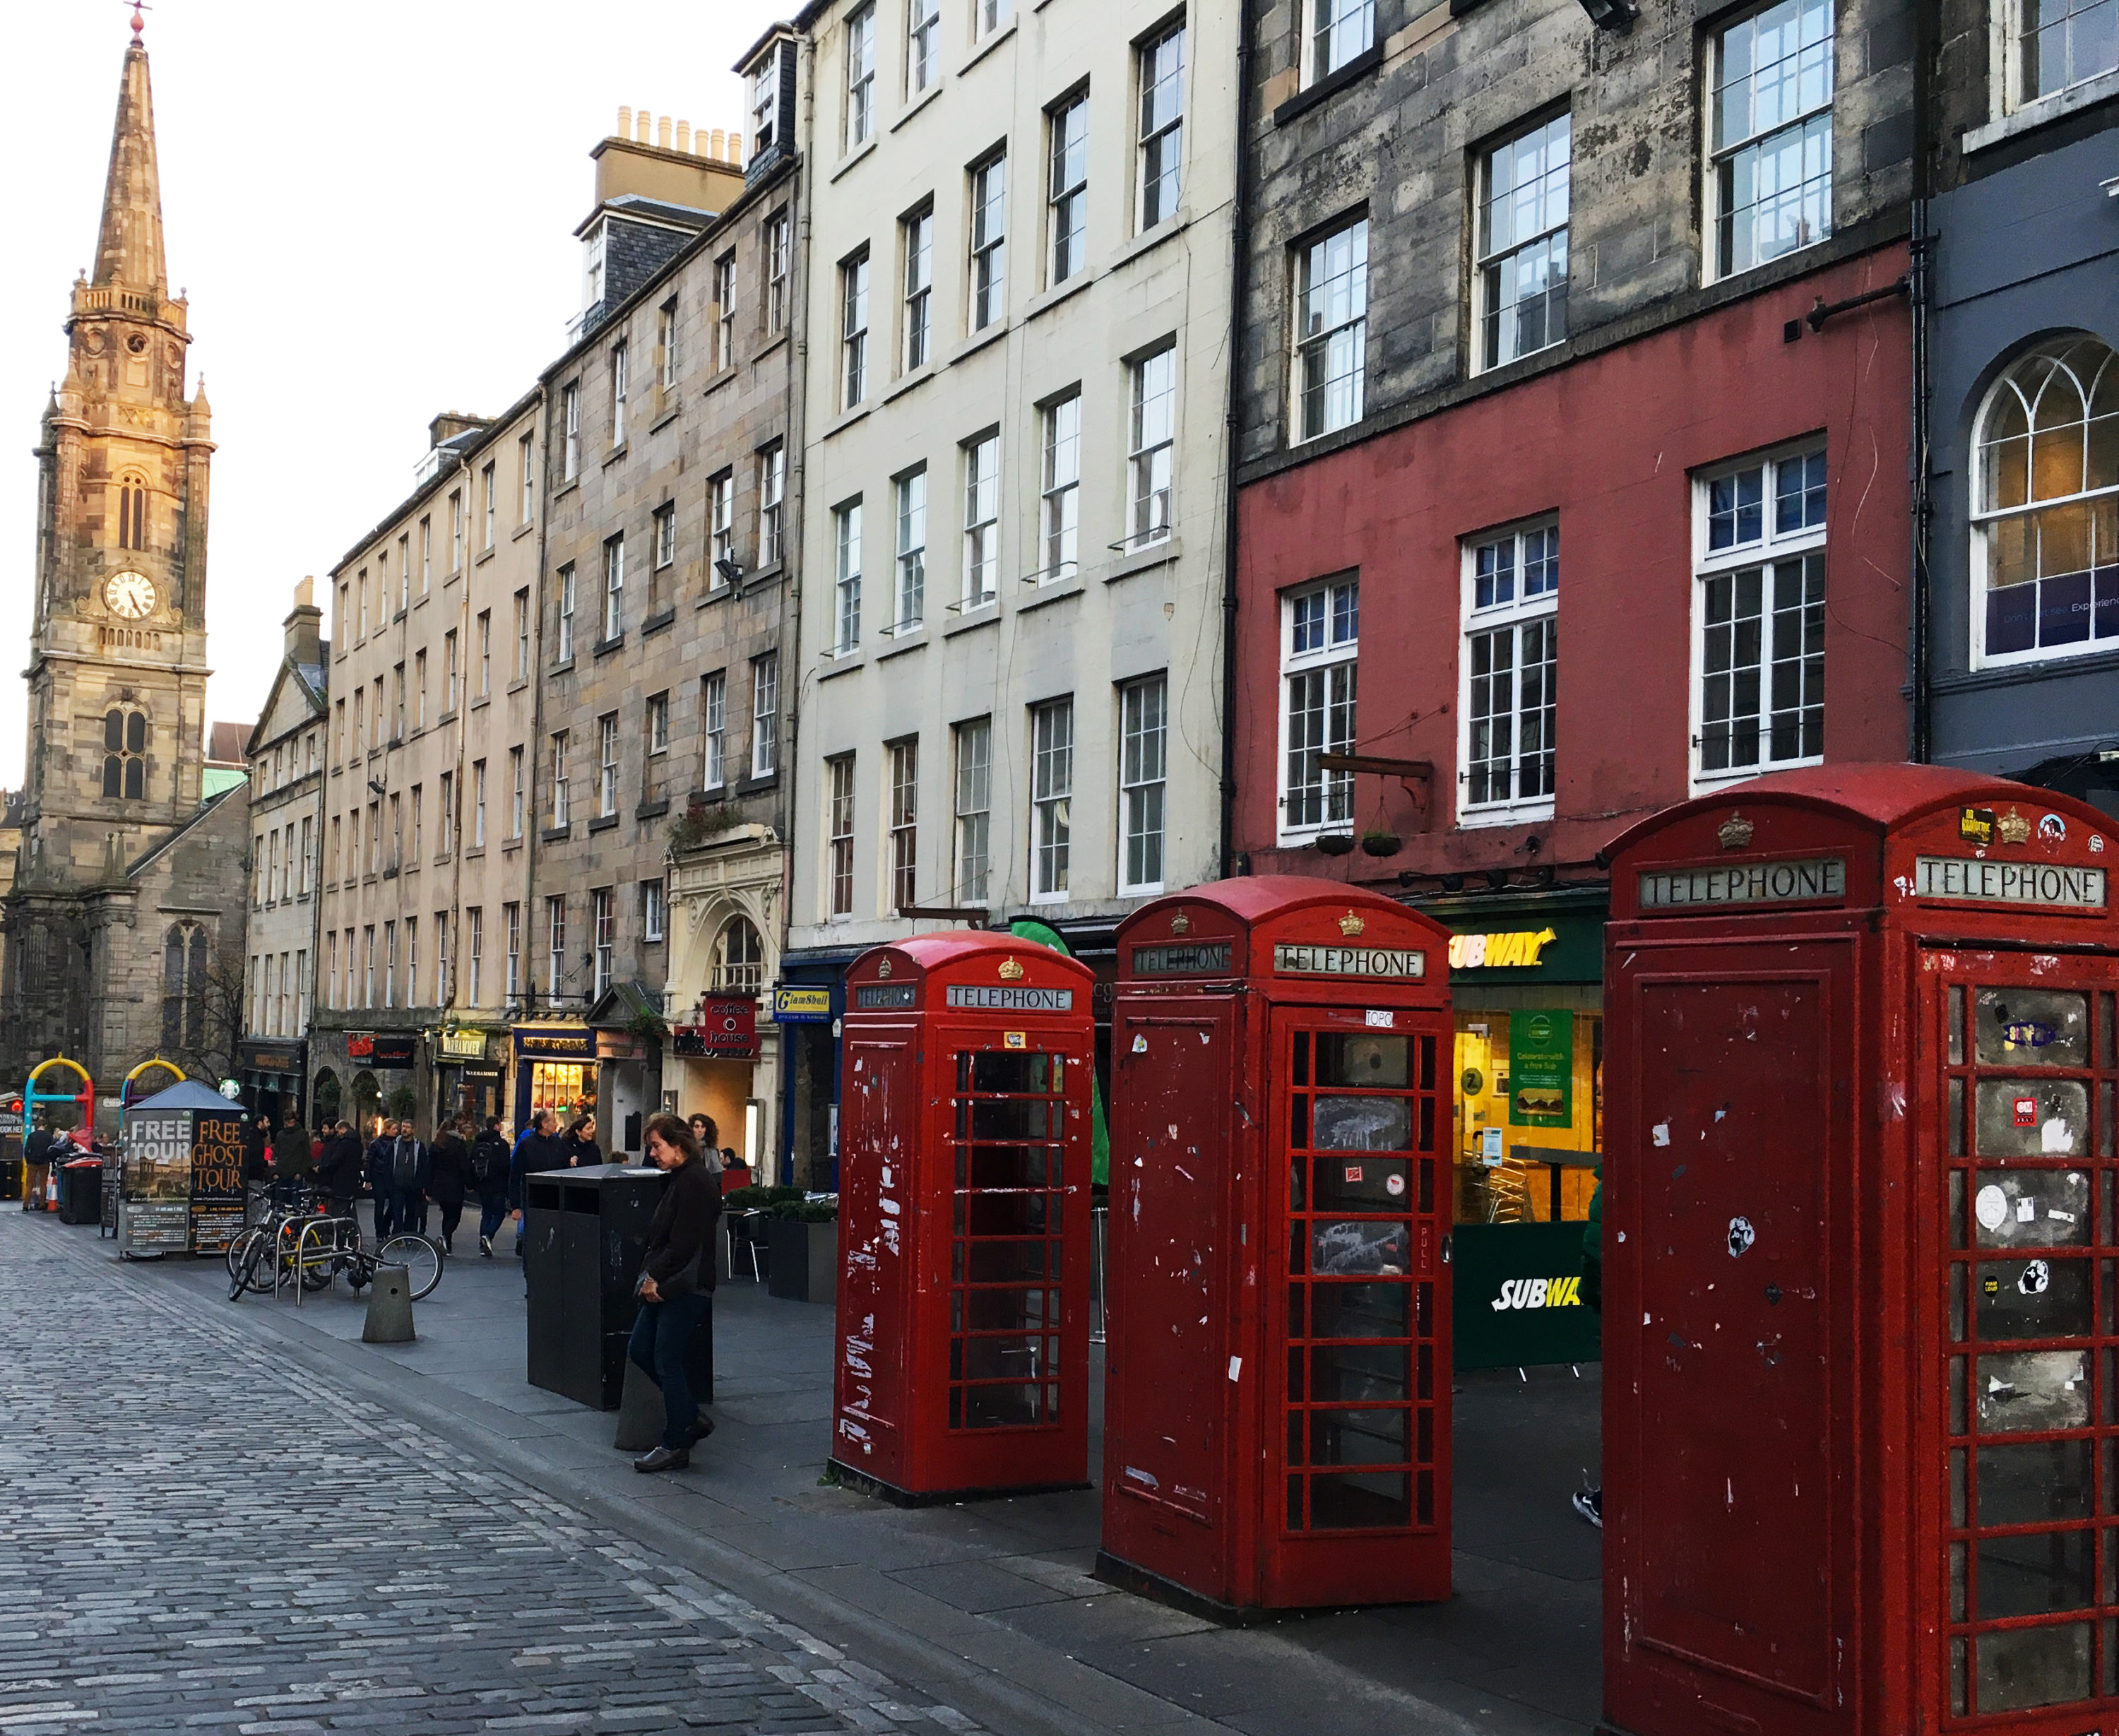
x: 39, y: 1150
x: 489, y: 1175
x: 257, y: 1162
x: 387, y: 1221
x: 338, y: 1175
x: 292, y: 1160
x: 411, y: 1169
x: 449, y: 1175
x: 580, y: 1140
x: 676, y: 1286
x: 539, y: 1150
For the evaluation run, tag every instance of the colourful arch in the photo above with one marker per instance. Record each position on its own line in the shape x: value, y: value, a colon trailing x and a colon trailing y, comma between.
x: 125, y: 1091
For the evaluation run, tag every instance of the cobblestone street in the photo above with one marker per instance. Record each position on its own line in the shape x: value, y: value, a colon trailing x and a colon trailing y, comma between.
x: 201, y: 1537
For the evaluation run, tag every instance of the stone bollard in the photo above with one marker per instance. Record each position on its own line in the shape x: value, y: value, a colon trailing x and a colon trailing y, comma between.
x: 640, y: 1414
x: 389, y: 1309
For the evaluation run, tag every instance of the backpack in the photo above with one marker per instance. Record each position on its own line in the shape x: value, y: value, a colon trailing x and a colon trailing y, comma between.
x: 488, y: 1160
x: 405, y: 1163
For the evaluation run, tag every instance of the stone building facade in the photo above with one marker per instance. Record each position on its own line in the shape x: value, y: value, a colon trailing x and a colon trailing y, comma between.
x: 1015, y: 476
x: 668, y: 563
x: 120, y: 941
x: 425, y: 838
x: 286, y: 759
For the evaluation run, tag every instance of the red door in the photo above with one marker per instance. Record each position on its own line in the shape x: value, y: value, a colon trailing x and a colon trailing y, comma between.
x: 876, y: 1288
x: 1738, y: 1535
x: 2017, y: 1057
x: 1359, y: 1424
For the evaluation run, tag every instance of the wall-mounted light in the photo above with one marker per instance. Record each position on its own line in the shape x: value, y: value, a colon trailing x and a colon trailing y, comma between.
x: 730, y: 571
x: 1611, y: 15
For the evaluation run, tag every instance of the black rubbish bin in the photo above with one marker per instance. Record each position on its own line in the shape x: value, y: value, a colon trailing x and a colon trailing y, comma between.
x: 588, y: 1233
x: 80, y: 1191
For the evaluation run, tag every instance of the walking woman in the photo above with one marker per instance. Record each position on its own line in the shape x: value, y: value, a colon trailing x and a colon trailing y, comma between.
x: 676, y: 1286
x: 448, y: 1176
x: 580, y: 1142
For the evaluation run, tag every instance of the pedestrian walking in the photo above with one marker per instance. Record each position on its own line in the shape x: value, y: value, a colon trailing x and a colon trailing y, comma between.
x: 43, y: 1147
x: 411, y: 1171
x: 448, y: 1161
x: 489, y: 1175
x: 379, y: 1183
x: 675, y: 1287
x: 338, y: 1173
x: 704, y: 1131
x: 292, y: 1159
x: 539, y: 1150
x: 580, y: 1140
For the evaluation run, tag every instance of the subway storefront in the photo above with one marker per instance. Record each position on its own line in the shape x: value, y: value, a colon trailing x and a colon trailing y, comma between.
x: 1527, y: 984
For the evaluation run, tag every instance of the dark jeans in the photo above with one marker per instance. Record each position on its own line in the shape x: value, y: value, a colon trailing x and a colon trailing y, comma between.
x: 659, y: 1337
x: 451, y: 1215
x: 389, y: 1213
x: 492, y: 1214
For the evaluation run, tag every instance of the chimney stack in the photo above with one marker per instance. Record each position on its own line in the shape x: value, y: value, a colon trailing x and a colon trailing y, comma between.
x: 305, y: 626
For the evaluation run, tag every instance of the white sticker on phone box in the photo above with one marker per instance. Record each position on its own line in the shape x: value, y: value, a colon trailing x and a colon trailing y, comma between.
x: 1990, y: 1206
x: 2026, y: 1211
x: 1382, y: 1020
x: 1235, y: 1366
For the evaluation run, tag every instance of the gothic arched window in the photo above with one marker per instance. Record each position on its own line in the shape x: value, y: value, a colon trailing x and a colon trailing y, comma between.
x: 739, y: 958
x: 124, y: 753
x: 184, y: 988
x: 132, y: 512
x: 2045, y: 506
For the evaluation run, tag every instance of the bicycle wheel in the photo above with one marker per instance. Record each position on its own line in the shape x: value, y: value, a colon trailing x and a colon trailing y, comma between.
x: 421, y: 1259
x: 253, y: 1244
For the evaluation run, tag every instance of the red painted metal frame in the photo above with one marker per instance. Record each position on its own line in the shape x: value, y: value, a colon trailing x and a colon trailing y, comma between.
x: 918, y: 1074
x: 1209, y: 1381
x: 1837, y: 1619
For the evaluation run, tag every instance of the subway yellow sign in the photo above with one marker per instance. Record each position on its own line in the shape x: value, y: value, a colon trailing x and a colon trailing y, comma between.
x: 1539, y: 1292
x: 1520, y: 949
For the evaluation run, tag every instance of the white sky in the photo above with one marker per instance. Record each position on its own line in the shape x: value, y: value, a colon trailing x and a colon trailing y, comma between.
x: 371, y: 204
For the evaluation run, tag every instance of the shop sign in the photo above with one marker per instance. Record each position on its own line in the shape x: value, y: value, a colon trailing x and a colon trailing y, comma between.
x: 265, y: 1058
x: 1518, y: 1296
x: 1521, y: 949
x: 980, y: 998
x: 616, y: 1045
x: 556, y: 1043
x: 1541, y: 1069
x: 385, y: 1049
x: 458, y: 1043
x: 1967, y: 880
x: 1363, y: 961
x: 726, y: 1031
x: 1745, y: 882
x: 801, y: 1005
x: 1206, y: 958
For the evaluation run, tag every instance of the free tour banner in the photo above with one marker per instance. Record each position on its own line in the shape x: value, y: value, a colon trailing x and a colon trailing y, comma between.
x: 216, y: 1182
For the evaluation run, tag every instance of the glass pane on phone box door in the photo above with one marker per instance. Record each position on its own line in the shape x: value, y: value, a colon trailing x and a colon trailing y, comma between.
x: 2031, y: 1027
x: 2032, y: 1118
x: 2031, y: 1208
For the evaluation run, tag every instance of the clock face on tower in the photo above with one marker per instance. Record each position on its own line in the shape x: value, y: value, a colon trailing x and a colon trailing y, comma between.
x: 130, y: 594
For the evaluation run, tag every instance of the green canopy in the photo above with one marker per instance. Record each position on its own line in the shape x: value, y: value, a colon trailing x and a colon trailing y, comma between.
x: 1024, y: 927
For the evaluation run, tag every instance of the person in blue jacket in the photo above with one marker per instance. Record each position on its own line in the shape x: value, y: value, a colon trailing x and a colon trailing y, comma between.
x: 537, y: 1150
x: 379, y: 1183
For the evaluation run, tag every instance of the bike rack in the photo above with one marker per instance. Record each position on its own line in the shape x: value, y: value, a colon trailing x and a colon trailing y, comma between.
x: 301, y: 1246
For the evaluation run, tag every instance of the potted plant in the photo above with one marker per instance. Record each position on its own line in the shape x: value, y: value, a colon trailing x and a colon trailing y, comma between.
x: 1335, y: 844
x: 1377, y: 842
x: 803, y: 1236
x: 703, y: 822
x: 648, y: 1025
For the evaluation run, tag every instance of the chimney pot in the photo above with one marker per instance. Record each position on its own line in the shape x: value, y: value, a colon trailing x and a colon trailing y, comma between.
x: 684, y: 137
x: 662, y: 132
x: 640, y: 120
x: 734, y: 148
x: 624, y: 120
x: 716, y: 142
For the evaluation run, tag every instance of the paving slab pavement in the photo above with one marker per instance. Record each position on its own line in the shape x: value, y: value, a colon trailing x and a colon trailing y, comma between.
x: 986, y: 1607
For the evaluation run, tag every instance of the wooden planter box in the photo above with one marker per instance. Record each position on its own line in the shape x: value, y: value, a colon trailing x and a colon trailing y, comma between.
x: 804, y: 1260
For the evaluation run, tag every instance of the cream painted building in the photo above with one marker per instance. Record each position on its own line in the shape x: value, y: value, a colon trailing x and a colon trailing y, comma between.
x: 1014, y: 473
x: 427, y: 801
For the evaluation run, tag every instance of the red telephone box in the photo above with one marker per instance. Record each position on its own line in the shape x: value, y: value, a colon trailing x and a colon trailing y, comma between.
x: 1276, y: 1391
x: 964, y: 1147
x: 1861, y: 1351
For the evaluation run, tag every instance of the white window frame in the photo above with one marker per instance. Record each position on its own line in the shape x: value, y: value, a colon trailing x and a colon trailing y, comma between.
x: 972, y: 855
x: 986, y: 299
x: 909, y: 495
x: 1059, y: 497
x: 474, y: 952
x: 1143, y: 786
x: 981, y: 468
x: 555, y: 944
x: 518, y: 792
x: 565, y: 634
x: 853, y: 329
x: 1771, y: 549
x: 652, y: 912
x: 614, y: 587
x: 2009, y: 59
x: 1067, y: 188
x: 765, y: 101
x: 765, y: 714
x: 721, y: 536
x: 838, y: 852
x: 607, y: 765
x: 1336, y: 649
x: 1533, y: 211
x: 1159, y: 139
x: 666, y: 342
x: 511, y: 919
x: 861, y: 77
x: 619, y: 383
x: 989, y: 16
x: 570, y: 421
x: 714, y: 722
x: 916, y: 241
x: 478, y: 804
x: 528, y: 446
x: 1521, y: 555
x: 522, y: 634
x: 1326, y: 335
x: 1151, y: 447
x: 2088, y: 370
x: 603, y: 935
x: 488, y: 482
x: 724, y: 281
x: 846, y: 578
x: 1808, y: 123
x: 778, y: 248
x: 902, y: 865
x: 562, y: 791
x: 772, y: 498
x: 1335, y: 32
x: 1051, y: 799
x: 922, y: 45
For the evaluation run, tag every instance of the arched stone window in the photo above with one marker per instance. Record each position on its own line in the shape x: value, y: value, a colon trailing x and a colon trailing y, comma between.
x: 2046, y: 506
x: 131, y: 511
x: 739, y: 958
x: 125, y: 753
x: 184, y: 988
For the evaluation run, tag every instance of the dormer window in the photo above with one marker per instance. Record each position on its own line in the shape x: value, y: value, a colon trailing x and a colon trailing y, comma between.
x: 593, y: 258
x: 765, y: 102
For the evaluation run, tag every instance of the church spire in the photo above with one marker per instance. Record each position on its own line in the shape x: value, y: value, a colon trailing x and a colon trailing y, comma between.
x: 128, y: 251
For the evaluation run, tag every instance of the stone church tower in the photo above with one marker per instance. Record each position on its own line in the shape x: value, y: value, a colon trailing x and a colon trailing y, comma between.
x: 104, y: 915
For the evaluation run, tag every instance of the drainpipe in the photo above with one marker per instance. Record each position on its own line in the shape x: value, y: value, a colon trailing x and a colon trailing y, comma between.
x: 1239, y: 248
x: 1921, y: 735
